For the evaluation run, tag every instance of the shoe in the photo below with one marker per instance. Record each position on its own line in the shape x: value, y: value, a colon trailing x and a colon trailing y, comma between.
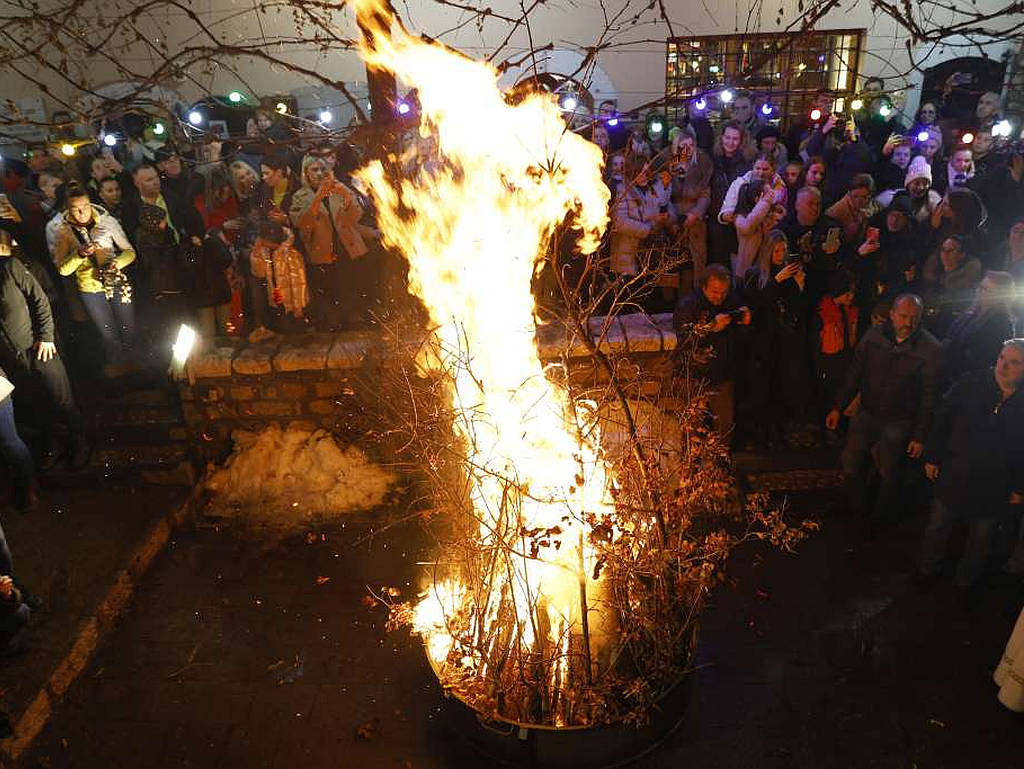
x: 79, y: 453
x: 26, y: 498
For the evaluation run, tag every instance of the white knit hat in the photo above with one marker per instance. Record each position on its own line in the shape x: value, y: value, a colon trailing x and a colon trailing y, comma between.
x: 918, y: 169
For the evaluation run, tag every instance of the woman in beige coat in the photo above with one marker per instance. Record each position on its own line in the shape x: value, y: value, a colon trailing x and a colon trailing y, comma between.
x: 326, y: 215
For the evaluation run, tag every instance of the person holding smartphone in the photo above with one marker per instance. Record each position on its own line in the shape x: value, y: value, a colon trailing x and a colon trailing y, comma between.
x: 326, y: 214
x: 705, y: 322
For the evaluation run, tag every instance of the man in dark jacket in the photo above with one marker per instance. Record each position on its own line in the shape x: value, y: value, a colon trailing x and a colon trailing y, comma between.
x: 704, y: 322
x: 29, y: 356
x: 896, y: 369
x: 975, y: 457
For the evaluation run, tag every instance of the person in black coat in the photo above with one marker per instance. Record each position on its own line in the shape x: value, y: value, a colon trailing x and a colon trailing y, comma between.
x: 711, y: 350
x: 896, y: 369
x: 975, y: 457
x: 776, y: 366
x: 976, y: 337
x: 29, y: 356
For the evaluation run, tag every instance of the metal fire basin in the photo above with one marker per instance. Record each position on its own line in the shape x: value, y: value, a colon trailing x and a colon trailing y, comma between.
x: 517, y: 745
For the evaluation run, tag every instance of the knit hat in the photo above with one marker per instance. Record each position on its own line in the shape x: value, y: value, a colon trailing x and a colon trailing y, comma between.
x: 900, y: 203
x: 918, y: 169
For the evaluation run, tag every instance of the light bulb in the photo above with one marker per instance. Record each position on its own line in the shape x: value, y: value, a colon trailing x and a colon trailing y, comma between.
x: 195, y: 117
x: 613, y: 121
x: 326, y: 116
x: 885, y: 110
x: 67, y: 149
x: 701, y: 104
x: 109, y: 139
x: 967, y: 138
x: 403, y: 108
x: 234, y: 97
x: 280, y: 108
x: 657, y: 127
x: 766, y: 109
x: 158, y: 129
x: 569, y: 103
x: 815, y: 114
x: 182, y: 347
x: 923, y: 136
x: 726, y: 96
x: 857, y: 104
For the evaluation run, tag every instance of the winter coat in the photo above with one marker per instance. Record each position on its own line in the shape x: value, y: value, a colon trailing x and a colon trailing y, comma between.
x: 715, y: 356
x: 845, y: 160
x: 326, y: 220
x: 212, y: 286
x: 732, y: 196
x: 25, y: 315
x: 975, y: 339
x: 105, y: 231
x: 725, y: 171
x: 185, y: 218
x: 691, y: 186
x: 896, y: 381
x: 836, y: 327
x: 280, y: 264
x: 977, y: 441
x: 629, y: 227
x: 851, y: 219
x: 749, y: 234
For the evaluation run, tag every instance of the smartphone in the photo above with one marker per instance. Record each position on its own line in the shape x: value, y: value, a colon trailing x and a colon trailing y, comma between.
x: 872, y: 234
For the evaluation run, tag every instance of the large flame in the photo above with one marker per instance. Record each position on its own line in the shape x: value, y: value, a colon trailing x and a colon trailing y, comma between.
x: 473, y: 221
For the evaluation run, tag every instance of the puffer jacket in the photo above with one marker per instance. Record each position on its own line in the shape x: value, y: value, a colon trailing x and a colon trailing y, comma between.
x: 629, y: 227
x: 103, y: 230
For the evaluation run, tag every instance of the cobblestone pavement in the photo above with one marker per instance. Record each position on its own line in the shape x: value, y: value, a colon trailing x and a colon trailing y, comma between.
x: 246, y: 649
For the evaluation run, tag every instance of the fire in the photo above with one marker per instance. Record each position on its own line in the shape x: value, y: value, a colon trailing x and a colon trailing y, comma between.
x: 473, y: 220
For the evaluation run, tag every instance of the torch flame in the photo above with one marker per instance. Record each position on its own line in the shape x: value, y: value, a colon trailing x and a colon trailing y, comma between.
x: 473, y: 220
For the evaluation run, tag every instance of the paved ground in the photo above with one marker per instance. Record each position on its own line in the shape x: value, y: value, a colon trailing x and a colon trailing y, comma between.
x: 68, y: 551
x: 246, y: 650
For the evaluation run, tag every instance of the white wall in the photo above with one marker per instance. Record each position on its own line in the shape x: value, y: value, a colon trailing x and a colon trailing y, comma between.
x: 634, y: 69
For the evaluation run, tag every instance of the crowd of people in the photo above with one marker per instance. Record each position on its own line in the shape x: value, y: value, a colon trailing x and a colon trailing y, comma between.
x: 104, y: 254
x: 850, y: 268
x: 857, y: 276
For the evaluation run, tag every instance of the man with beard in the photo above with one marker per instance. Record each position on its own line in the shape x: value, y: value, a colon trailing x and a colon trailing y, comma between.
x: 896, y: 369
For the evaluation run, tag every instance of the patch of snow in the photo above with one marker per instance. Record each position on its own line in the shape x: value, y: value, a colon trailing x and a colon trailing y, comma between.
x: 295, y: 476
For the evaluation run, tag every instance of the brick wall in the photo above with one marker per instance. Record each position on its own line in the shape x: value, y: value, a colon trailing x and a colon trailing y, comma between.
x: 328, y: 380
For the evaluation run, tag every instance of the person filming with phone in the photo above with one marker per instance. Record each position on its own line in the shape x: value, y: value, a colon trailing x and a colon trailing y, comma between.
x: 705, y: 322
x: 326, y: 216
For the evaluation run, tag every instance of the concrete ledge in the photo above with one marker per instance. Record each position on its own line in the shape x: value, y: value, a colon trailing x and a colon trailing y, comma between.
x: 636, y: 333
x: 91, y: 631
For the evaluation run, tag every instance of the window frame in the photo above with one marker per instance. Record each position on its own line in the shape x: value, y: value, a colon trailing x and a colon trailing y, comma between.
x: 789, y: 99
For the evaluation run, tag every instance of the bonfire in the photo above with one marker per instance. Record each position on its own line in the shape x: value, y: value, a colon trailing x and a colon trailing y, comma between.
x: 568, y: 590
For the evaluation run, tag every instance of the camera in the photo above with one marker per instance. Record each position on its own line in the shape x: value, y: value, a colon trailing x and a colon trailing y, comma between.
x: 736, y: 316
